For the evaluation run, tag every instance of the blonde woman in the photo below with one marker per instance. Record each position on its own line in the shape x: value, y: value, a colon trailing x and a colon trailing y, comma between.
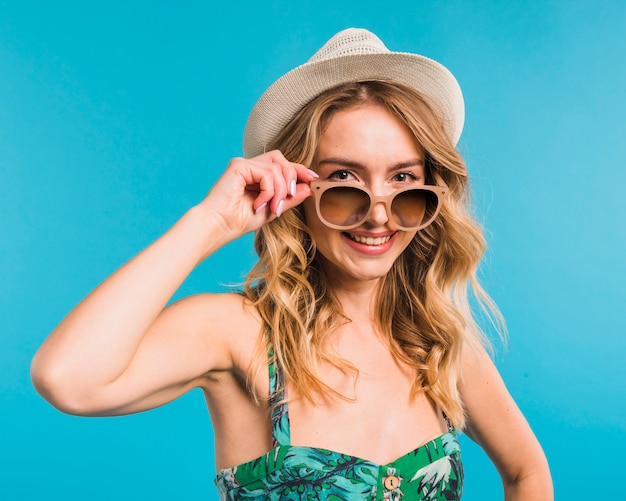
x: 350, y: 360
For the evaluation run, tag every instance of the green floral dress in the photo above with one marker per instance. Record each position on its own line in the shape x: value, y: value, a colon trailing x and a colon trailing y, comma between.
x: 431, y: 472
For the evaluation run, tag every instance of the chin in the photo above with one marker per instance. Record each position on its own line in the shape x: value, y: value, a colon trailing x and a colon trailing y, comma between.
x: 356, y: 271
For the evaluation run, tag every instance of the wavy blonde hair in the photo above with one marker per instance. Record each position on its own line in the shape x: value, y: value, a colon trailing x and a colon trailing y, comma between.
x: 423, y: 309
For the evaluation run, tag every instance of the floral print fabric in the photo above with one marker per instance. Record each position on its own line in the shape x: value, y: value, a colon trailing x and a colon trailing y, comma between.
x: 431, y: 472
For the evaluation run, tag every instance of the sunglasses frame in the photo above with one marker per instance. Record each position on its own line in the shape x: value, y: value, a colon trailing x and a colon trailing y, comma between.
x: 319, y: 187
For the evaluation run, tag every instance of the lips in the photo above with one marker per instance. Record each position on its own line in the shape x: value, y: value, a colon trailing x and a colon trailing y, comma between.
x: 369, y: 240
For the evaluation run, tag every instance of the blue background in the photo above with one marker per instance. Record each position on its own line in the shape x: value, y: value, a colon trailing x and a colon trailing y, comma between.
x: 116, y: 117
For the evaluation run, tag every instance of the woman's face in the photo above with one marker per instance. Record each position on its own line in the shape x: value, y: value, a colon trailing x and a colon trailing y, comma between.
x: 369, y: 146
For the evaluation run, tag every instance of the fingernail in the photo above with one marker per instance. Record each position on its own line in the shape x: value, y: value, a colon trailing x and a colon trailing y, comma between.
x: 313, y: 173
x: 279, y: 208
x: 292, y: 188
x: 260, y: 208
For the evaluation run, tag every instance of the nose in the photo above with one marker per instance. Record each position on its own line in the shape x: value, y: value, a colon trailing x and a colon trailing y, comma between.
x: 378, y: 216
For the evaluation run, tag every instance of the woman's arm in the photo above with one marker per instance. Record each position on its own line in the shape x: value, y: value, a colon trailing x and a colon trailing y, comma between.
x: 498, y: 426
x: 119, y: 350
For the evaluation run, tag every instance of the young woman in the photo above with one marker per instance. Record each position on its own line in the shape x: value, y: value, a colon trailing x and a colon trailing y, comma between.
x: 347, y: 365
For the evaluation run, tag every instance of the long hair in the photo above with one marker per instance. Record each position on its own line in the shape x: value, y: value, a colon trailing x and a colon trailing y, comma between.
x: 422, y: 305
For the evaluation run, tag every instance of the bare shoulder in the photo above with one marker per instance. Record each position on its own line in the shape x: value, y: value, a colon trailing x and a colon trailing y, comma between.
x: 483, y: 391
x: 497, y: 424
x: 218, y: 308
x: 219, y: 320
x: 476, y: 363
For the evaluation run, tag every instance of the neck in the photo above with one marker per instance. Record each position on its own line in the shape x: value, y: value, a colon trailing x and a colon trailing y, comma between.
x: 357, y: 299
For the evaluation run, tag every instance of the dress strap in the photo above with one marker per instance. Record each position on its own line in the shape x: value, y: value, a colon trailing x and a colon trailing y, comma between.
x: 281, y: 431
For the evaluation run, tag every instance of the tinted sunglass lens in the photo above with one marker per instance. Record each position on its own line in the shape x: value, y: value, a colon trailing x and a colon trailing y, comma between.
x: 344, y: 206
x: 412, y: 208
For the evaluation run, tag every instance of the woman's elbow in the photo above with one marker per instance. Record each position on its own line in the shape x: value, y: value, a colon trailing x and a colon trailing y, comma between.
x: 533, y: 482
x: 58, y: 388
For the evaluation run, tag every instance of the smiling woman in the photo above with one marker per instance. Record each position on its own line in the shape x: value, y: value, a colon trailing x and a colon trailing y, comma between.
x: 366, y: 247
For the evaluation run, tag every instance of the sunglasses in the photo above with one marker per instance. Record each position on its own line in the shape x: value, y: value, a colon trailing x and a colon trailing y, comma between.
x: 344, y: 206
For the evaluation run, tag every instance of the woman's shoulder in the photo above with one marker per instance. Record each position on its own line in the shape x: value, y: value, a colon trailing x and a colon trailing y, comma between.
x: 228, y: 320
x: 217, y: 312
x: 209, y: 300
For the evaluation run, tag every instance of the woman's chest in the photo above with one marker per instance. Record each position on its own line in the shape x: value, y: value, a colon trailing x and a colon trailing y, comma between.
x: 379, y: 419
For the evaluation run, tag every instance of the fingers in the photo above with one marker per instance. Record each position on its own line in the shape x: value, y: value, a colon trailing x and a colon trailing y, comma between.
x: 253, y: 191
x: 282, y: 184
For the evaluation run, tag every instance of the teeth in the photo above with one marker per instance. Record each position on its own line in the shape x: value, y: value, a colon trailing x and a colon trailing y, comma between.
x: 370, y: 240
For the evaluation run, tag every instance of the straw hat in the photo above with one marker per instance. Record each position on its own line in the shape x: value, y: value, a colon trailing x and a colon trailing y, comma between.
x: 352, y: 55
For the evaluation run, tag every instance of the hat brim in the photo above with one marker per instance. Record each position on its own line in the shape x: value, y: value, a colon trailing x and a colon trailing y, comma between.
x: 285, y: 97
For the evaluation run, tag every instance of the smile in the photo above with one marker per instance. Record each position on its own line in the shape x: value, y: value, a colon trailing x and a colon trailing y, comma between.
x: 369, y: 240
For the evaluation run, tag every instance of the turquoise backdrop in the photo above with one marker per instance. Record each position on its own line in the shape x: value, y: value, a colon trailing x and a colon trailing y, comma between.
x: 117, y: 116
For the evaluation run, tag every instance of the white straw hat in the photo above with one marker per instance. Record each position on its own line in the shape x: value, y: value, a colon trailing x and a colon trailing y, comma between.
x: 352, y: 55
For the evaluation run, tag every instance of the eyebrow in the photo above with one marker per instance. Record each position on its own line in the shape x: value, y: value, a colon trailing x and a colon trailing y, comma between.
x: 356, y: 165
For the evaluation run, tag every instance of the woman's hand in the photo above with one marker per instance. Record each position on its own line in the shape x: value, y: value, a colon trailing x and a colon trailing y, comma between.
x: 253, y: 191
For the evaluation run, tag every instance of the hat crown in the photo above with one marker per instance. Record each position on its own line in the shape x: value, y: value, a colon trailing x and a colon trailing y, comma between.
x: 352, y: 55
x: 350, y: 42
